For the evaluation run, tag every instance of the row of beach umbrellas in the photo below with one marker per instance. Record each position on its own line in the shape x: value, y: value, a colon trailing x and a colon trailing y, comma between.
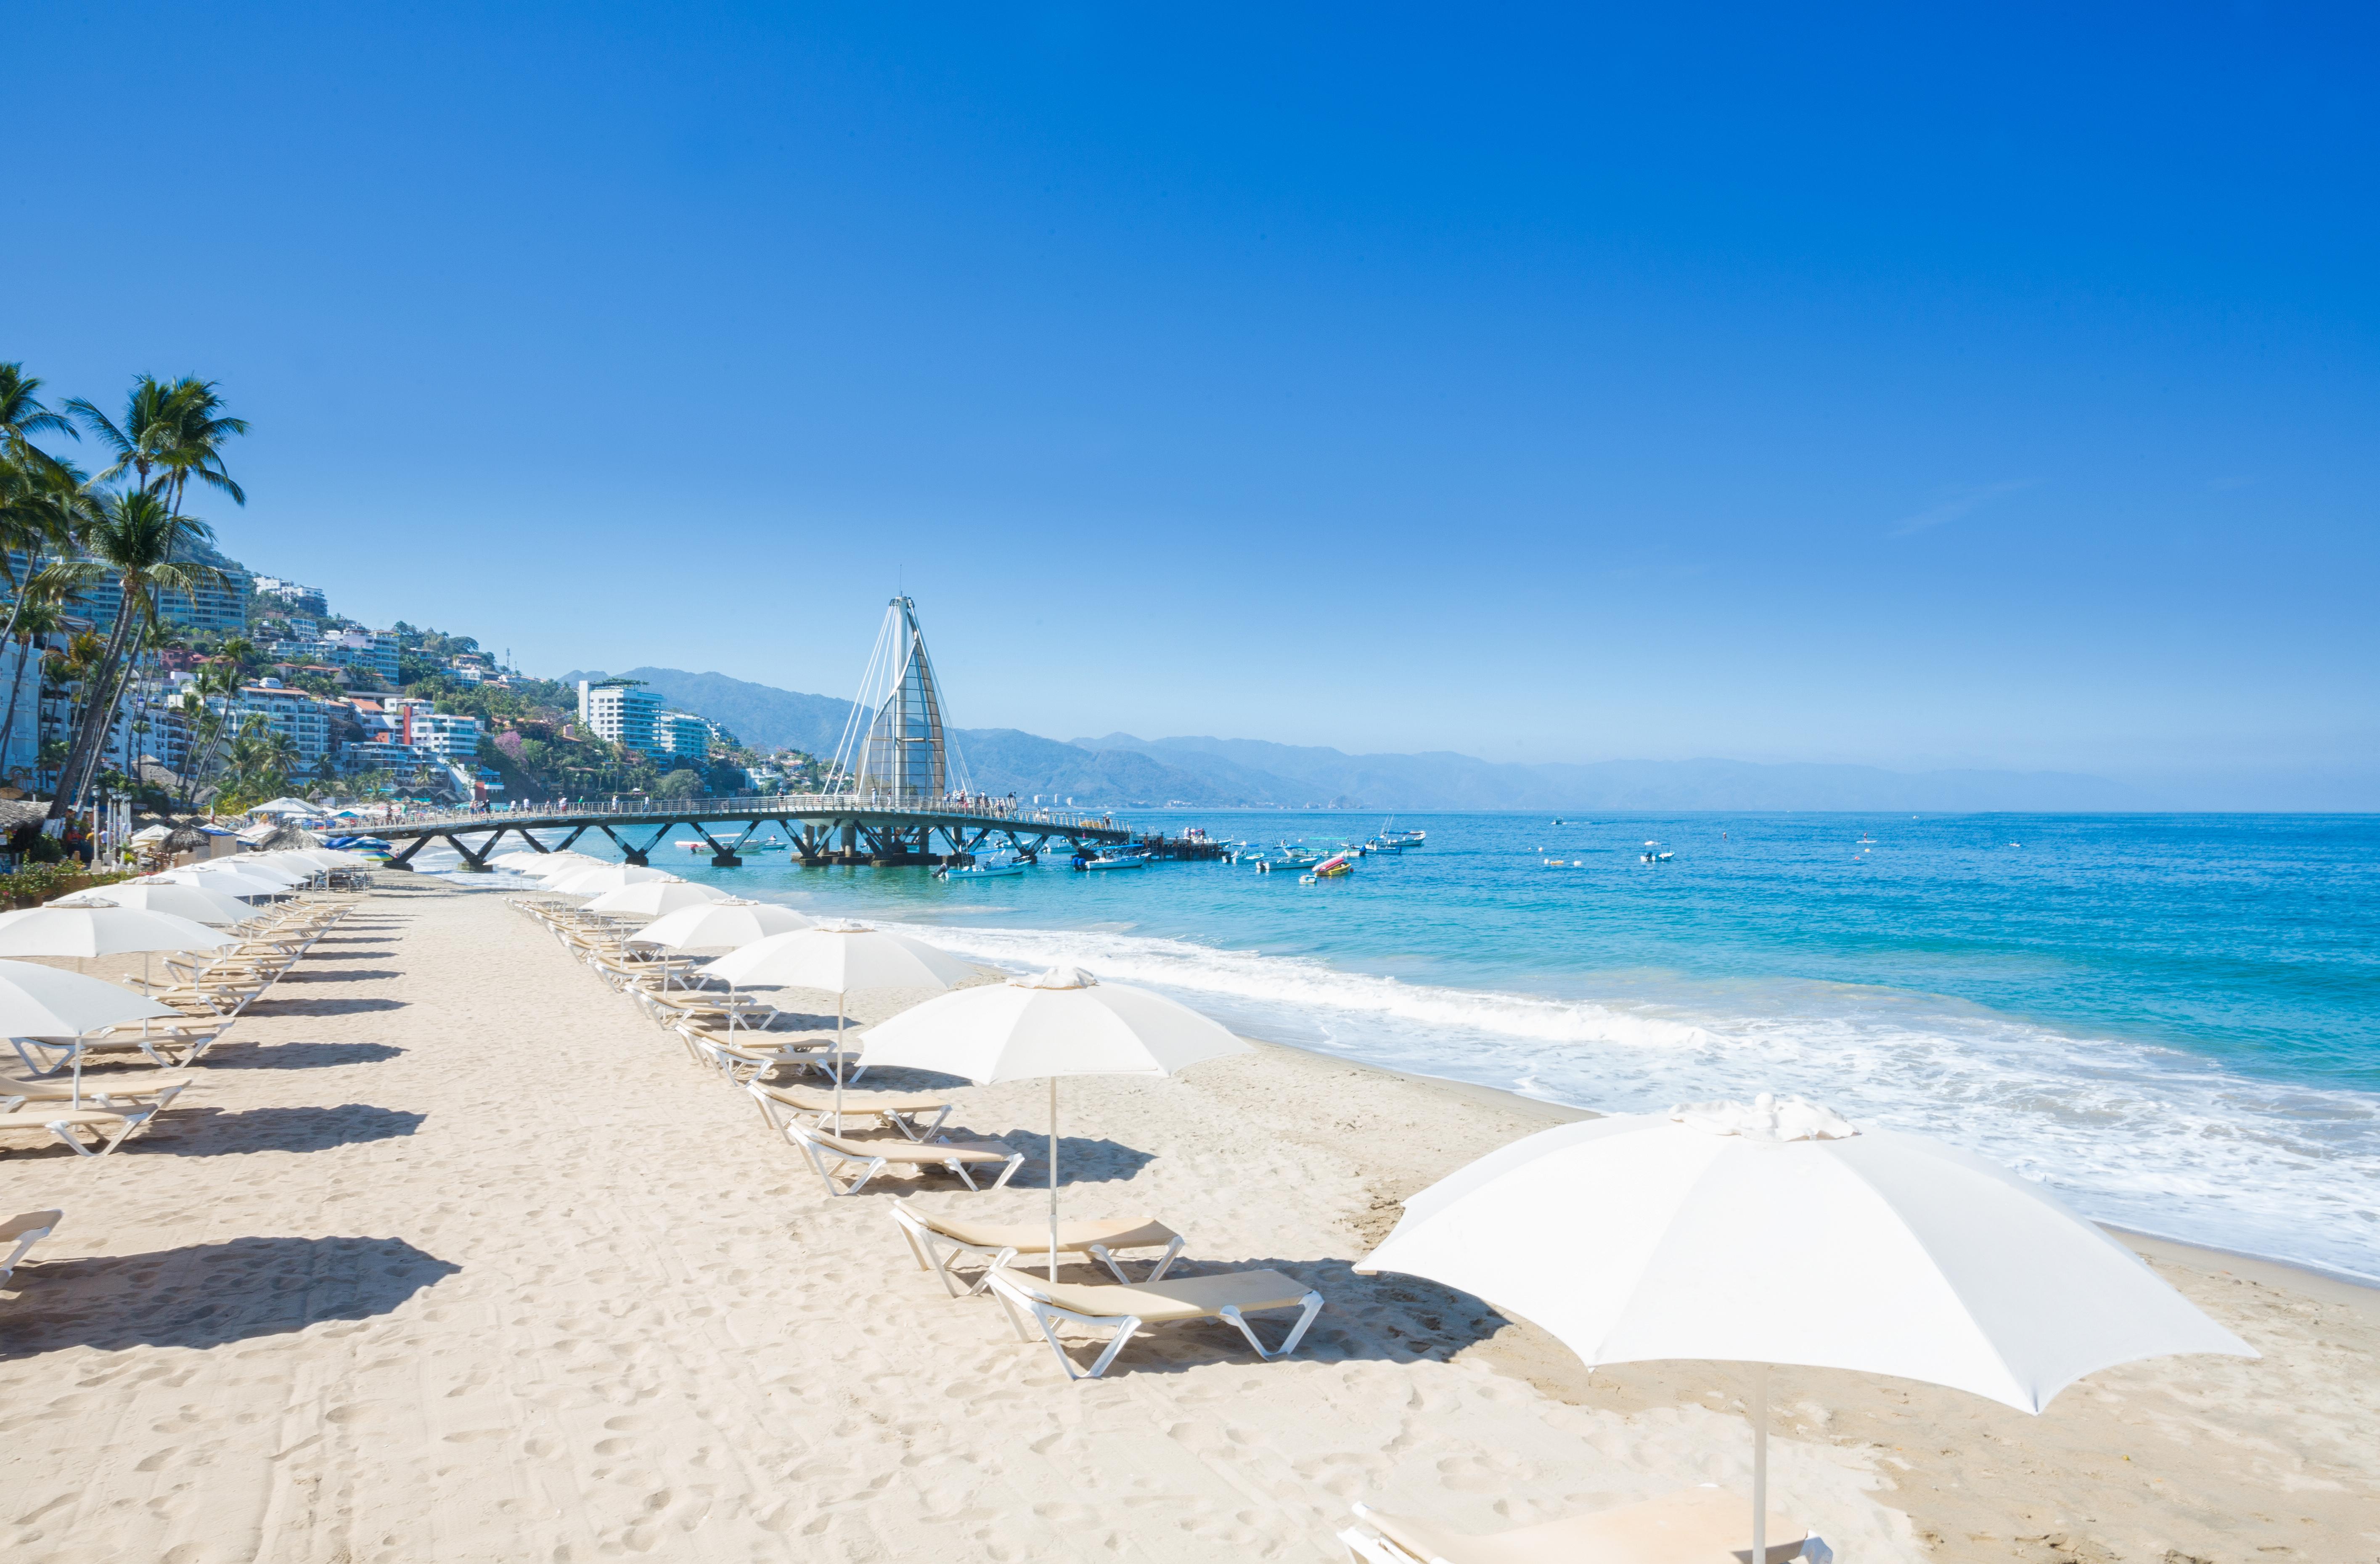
x: 183, y: 910
x: 1764, y: 1234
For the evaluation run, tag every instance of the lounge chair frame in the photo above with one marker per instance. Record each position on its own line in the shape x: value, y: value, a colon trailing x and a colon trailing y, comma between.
x: 934, y: 1248
x: 1020, y: 1296
x: 24, y: 1232
x: 820, y: 1151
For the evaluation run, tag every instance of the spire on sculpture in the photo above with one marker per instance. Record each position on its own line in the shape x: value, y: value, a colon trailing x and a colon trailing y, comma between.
x: 894, y: 747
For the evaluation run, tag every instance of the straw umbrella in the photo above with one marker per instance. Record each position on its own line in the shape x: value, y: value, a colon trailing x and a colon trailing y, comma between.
x: 1682, y: 1235
x: 720, y: 926
x: 1064, y: 1022
x: 840, y: 959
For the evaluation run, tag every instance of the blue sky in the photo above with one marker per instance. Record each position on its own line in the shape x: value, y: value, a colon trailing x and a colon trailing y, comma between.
x: 1995, y: 389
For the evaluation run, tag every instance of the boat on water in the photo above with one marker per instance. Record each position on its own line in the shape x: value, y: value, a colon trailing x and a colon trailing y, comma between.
x: 1402, y: 840
x: 988, y: 865
x: 1334, y: 865
x: 1111, y: 860
x: 1297, y: 860
x: 1654, y: 855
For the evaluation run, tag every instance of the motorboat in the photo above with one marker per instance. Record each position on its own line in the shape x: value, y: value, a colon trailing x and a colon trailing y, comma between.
x: 1654, y: 855
x: 989, y: 865
x: 1297, y: 860
x: 1113, y: 861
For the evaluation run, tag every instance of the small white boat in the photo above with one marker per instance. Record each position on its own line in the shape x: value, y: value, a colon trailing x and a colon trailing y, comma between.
x: 1113, y: 861
x: 991, y: 865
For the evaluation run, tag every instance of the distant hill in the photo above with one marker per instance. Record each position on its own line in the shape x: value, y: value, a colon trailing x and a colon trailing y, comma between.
x: 1121, y: 769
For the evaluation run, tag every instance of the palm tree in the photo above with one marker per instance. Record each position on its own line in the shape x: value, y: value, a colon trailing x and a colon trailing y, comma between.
x: 170, y: 434
x: 216, y: 682
x: 143, y: 543
x: 22, y: 414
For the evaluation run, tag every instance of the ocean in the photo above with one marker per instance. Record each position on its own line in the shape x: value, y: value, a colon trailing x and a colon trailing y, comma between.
x: 2173, y: 1020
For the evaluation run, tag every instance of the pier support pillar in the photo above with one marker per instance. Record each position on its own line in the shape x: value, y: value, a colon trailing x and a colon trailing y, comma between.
x: 723, y: 859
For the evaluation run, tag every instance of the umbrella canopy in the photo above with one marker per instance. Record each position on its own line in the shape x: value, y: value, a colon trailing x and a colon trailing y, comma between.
x: 519, y: 860
x: 1778, y: 1233
x: 594, y: 880
x: 839, y: 958
x: 196, y: 902
x: 41, y: 1001
x: 548, y: 864
x: 100, y: 931
x: 1064, y: 1022
x: 223, y: 881
x: 247, y: 866
x: 653, y: 898
x: 153, y: 834
x: 719, y: 926
x: 287, y: 805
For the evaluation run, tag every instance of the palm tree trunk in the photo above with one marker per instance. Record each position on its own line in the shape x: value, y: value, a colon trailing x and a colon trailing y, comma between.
x: 96, y: 710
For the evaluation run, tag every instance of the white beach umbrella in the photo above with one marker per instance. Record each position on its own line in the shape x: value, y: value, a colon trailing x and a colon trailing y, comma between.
x: 520, y: 860
x: 89, y: 930
x: 653, y: 898
x: 720, y: 926
x: 1063, y: 1022
x: 593, y: 879
x: 841, y: 959
x: 196, y: 902
x: 286, y: 805
x: 223, y: 882
x: 41, y: 1001
x: 1779, y: 1235
x: 250, y: 866
x: 537, y: 865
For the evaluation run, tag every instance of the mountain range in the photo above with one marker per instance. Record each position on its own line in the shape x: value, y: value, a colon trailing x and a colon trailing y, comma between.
x: 1119, y: 770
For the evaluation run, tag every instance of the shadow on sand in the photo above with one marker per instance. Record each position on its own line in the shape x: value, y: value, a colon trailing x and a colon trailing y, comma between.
x: 211, y: 1294
x: 296, y: 1056
x: 215, y: 1131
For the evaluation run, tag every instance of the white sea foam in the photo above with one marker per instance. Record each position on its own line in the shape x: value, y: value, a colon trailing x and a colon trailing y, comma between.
x: 2146, y: 1138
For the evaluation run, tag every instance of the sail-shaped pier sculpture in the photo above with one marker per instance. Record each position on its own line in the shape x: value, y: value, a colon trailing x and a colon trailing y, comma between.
x: 895, y: 753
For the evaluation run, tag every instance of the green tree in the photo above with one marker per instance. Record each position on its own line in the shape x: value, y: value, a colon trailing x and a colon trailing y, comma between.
x: 145, y: 544
x: 680, y: 784
x: 170, y: 433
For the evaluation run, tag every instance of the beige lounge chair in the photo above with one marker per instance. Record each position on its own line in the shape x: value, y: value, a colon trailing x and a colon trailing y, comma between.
x: 149, y: 1089
x: 934, y: 1238
x: 160, y: 1043
x: 746, y: 1051
x: 1706, y: 1526
x: 20, y: 1232
x: 872, y: 1156
x: 1231, y: 1297
x: 894, y: 1110
x: 108, y: 1127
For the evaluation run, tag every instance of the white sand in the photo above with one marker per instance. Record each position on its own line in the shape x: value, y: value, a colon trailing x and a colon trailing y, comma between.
x: 459, y: 1258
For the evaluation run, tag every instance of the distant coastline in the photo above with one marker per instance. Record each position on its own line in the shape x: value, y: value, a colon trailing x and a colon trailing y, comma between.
x: 1123, y: 771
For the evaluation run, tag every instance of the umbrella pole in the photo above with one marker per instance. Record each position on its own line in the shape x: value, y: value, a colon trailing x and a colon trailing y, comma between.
x: 1053, y: 1178
x: 78, y: 1083
x: 1760, y: 1463
x: 838, y: 1064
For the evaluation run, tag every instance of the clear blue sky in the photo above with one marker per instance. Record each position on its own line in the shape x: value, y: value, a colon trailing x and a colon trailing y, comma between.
x: 1998, y: 389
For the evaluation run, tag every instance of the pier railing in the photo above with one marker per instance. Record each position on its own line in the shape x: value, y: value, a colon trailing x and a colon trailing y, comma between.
x: 749, y: 807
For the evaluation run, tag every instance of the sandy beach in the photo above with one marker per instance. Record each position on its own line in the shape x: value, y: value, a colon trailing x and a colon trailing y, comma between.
x: 456, y: 1256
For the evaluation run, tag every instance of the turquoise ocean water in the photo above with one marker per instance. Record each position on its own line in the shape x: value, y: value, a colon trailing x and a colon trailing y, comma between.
x: 2172, y: 1020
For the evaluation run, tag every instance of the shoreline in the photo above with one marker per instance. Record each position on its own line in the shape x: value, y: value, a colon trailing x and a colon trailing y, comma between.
x: 2359, y: 1290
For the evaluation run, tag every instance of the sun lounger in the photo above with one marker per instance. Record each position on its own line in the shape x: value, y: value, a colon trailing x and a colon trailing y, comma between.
x: 1231, y: 1297
x: 108, y: 1127
x: 934, y: 1238
x: 159, y: 1043
x: 21, y: 1233
x: 748, y: 1052
x: 151, y: 1090
x: 1706, y: 1526
x: 873, y: 1157
x: 897, y: 1110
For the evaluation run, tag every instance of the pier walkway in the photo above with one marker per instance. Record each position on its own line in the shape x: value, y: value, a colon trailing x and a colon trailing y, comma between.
x: 824, y: 829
